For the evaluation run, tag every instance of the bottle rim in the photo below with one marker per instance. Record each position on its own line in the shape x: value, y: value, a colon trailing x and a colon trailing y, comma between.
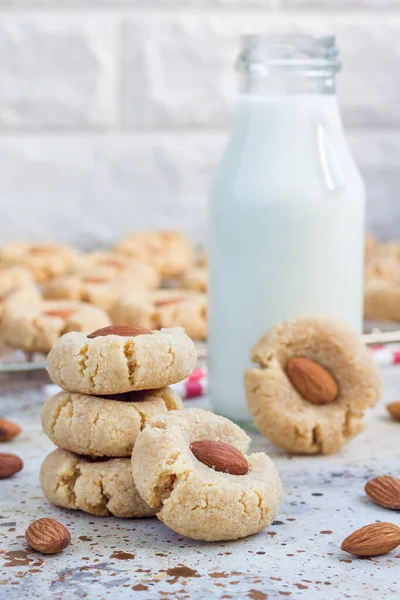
x: 289, y: 51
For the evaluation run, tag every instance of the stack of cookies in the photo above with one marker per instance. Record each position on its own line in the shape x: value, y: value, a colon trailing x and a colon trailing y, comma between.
x: 124, y: 450
x: 114, y: 381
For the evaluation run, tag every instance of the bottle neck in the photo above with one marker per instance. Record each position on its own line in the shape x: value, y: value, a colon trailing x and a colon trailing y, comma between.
x: 280, y: 83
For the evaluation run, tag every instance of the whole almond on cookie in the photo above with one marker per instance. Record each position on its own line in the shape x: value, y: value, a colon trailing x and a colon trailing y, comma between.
x: 8, y: 430
x: 122, y: 330
x: 373, y: 540
x: 47, y: 536
x: 9, y: 465
x: 313, y: 382
x: 394, y: 409
x: 221, y: 457
x: 385, y: 491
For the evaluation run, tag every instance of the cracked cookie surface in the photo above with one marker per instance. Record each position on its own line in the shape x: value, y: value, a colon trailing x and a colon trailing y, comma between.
x: 101, y: 488
x: 34, y: 326
x: 193, y: 499
x: 114, y: 364
x: 97, y: 426
x: 282, y: 414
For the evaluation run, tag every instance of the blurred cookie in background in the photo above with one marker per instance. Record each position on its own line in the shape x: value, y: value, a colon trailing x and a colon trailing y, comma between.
x: 164, y: 308
x: 102, y: 287
x: 120, y: 264
x: 14, y: 278
x: 36, y: 326
x: 169, y: 251
x: 45, y: 261
x: 195, y: 279
x: 23, y: 295
x: 381, y: 300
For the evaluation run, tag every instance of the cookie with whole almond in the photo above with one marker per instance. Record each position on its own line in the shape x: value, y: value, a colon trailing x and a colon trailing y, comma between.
x: 43, y: 260
x: 120, y: 359
x: 192, y: 467
x: 34, y: 326
x: 102, y: 487
x: 313, y: 382
x: 164, y: 308
x: 103, y: 426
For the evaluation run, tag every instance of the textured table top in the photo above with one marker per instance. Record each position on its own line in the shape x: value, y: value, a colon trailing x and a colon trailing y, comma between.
x: 298, y: 557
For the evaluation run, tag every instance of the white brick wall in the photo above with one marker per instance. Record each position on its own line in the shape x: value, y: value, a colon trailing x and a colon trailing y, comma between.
x: 113, y: 113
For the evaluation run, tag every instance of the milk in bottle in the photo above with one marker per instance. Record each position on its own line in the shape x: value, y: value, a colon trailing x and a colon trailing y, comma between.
x: 286, y: 214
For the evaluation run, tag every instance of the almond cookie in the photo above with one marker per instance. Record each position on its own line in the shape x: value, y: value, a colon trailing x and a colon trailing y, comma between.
x: 169, y: 251
x: 384, y: 268
x: 192, y: 468
x: 101, y: 488
x: 314, y: 381
x: 44, y: 260
x: 97, y: 426
x: 381, y: 300
x: 196, y: 279
x: 121, y: 359
x: 120, y: 264
x: 36, y: 326
x: 164, y: 308
x: 12, y: 278
x: 102, y: 287
x: 24, y: 295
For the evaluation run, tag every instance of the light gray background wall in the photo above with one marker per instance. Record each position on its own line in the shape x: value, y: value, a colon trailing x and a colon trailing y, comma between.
x: 114, y: 113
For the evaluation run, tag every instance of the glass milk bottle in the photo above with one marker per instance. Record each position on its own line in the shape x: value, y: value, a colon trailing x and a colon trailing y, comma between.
x: 286, y: 216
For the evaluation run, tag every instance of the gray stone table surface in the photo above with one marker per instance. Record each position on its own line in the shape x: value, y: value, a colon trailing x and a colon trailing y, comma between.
x: 299, y: 556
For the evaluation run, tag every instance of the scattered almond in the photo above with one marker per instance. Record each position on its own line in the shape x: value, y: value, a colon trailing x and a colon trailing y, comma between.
x: 9, y: 465
x: 221, y: 457
x: 63, y: 314
x: 373, y: 540
x: 47, y: 536
x: 122, y: 330
x: 385, y: 491
x: 313, y: 382
x: 394, y: 409
x: 8, y: 430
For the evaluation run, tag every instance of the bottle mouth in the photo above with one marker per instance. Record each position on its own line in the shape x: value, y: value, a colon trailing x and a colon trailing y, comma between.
x: 315, y: 54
